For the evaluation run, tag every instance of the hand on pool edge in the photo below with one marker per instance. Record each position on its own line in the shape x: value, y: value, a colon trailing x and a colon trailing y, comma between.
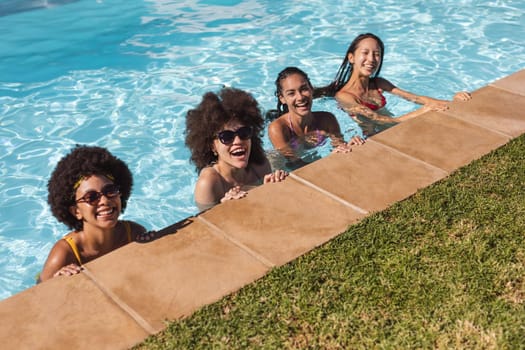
x: 234, y: 193
x: 68, y: 270
x: 276, y: 176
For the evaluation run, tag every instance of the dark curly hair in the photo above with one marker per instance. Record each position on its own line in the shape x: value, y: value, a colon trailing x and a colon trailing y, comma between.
x: 84, y: 161
x: 209, y: 117
x: 346, y: 68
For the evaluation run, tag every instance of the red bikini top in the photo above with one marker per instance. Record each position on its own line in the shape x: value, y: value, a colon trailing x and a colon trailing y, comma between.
x: 370, y: 105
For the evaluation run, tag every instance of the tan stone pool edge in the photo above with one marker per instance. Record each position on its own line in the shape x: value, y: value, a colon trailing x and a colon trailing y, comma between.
x: 123, y: 297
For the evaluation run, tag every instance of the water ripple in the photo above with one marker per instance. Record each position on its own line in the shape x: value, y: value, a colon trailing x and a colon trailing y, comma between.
x: 127, y: 73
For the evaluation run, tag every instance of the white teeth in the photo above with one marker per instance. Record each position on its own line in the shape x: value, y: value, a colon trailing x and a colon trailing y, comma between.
x: 238, y: 152
x: 106, y: 212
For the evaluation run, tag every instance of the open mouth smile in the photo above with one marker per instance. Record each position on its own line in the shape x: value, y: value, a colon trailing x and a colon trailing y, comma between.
x: 106, y: 213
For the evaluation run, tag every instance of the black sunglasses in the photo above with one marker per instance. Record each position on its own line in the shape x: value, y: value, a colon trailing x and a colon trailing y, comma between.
x: 227, y: 136
x: 92, y: 197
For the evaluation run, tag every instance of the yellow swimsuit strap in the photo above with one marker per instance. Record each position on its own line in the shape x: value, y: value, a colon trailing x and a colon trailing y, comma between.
x: 74, y: 248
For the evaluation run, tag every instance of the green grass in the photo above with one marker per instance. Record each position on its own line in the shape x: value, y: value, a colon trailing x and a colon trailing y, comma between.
x: 442, y: 269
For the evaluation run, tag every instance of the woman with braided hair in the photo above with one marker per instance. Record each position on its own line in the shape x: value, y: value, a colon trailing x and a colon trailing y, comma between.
x: 297, y: 127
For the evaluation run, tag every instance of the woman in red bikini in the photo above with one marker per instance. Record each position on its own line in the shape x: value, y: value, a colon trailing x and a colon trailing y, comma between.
x: 359, y: 90
x: 88, y: 190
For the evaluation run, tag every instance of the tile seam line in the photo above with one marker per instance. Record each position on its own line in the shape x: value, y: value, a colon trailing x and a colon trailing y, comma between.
x: 493, y: 85
x: 121, y: 304
x: 409, y: 156
x: 328, y: 194
x: 471, y: 122
x: 220, y: 233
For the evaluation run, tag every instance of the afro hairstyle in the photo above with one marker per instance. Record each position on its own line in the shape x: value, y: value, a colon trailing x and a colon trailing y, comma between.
x: 84, y: 161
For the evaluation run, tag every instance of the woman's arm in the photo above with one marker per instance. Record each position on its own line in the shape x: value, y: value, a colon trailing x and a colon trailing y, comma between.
x: 58, y: 262
x: 207, y: 189
x: 137, y: 231
x: 279, y: 136
x: 360, y: 113
x: 387, y: 86
x: 432, y: 103
x: 328, y: 123
x: 351, y: 105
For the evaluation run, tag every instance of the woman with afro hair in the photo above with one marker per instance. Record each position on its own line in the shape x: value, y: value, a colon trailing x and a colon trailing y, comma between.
x: 88, y: 190
x: 223, y: 134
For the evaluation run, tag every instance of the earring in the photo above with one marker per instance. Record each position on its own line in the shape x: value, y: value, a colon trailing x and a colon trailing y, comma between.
x: 214, y: 153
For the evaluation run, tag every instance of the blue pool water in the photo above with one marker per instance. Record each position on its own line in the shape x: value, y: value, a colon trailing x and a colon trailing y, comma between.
x: 122, y: 74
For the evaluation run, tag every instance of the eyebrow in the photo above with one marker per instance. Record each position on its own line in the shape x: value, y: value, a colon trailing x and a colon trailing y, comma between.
x: 300, y: 87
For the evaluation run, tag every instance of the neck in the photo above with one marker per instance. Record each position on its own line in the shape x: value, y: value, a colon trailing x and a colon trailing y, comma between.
x: 95, y: 239
x: 234, y: 176
x: 358, y: 84
x: 301, y: 122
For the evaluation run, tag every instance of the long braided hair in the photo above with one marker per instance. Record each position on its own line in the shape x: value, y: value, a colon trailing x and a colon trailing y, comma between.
x: 345, y: 70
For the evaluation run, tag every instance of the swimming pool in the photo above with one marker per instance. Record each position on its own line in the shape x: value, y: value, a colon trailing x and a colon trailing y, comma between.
x: 122, y: 74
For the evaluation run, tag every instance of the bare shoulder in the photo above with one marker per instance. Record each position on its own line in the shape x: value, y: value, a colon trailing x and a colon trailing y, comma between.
x: 209, y: 187
x: 384, y: 84
x: 61, y: 247
x: 278, y: 132
x: 346, y: 97
x: 208, y: 176
x: 59, y: 256
x: 277, y: 125
x: 326, y: 120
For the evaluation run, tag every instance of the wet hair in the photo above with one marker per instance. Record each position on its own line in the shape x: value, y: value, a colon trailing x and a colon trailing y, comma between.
x: 84, y: 161
x: 209, y: 117
x: 285, y: 73
x: 346, y: 68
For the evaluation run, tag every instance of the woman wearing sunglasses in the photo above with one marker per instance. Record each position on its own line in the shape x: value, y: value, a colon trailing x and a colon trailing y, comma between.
x: 88, y: 190
x: 298, y: 128
x: 223, y: 135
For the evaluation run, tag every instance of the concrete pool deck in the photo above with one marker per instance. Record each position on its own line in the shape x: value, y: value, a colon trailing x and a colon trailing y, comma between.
x: 123, y: 297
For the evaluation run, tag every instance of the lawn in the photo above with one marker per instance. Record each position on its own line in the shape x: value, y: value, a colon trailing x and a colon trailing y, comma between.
x: 444, y: 268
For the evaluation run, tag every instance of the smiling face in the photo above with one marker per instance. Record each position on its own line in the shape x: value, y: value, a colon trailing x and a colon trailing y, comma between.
x: 296, y: 93
x: 235, y: 154
x: 102, y: 213
x: 366, y: 58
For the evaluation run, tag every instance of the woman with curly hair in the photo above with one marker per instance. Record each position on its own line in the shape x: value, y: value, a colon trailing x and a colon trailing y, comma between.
x: 223, y: 135
x: 88, y: 190
x: 358, y: 88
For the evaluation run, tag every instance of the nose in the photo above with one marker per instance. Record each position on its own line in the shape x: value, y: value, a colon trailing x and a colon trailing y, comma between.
x: 237, y: 139
x: 103, y: 199
x: 302, y: 94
